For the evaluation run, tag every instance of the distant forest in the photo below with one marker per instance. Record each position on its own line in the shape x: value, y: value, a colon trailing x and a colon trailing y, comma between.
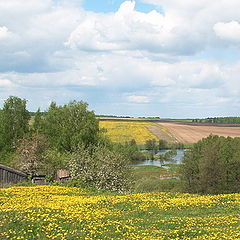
x: 230, y: 120
x: 224, y: 120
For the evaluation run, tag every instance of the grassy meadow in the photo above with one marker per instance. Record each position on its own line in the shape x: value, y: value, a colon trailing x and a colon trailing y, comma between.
x: 125, y: 131
x: 151, y: 179
x: 54, y: 212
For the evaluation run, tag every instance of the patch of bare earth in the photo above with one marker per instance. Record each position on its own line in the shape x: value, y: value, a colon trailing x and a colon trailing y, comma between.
x: 189, y: 134
x: 162, y: 133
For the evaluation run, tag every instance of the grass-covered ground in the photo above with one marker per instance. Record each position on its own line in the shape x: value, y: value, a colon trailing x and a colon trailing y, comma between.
x: 52, y: 212
x: 150, y: 178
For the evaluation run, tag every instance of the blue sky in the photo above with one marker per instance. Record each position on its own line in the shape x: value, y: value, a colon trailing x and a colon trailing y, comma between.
x: 113, y: 5
x: 166, y: 58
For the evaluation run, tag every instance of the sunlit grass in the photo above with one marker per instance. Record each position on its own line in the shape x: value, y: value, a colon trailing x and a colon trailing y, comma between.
x: 51, y: 212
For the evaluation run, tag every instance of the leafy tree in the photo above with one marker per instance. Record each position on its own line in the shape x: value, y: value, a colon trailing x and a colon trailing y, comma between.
x: 37, y: 121
x: 14, y: 121
x: 162, y: 144
x: 151, y: 145
x: 55, y: 160
x: 30, y: 154
x: 34, y: 156
x: 212, y: 166
x: 130, y: 150
x: 101, y: 167
x: 70, y: 125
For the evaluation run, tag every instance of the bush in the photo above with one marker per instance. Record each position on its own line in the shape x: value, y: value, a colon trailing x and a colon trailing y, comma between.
x: 130, y: 151
x: 30, y: 154
x: 7, y: 158
x: 101, y: 168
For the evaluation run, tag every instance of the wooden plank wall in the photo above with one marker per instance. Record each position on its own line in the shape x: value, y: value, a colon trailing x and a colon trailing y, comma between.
x: 9, y: 176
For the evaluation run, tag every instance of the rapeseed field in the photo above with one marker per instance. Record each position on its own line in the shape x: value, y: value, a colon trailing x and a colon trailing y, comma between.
x: 53, y: 212
x: 125, y: 131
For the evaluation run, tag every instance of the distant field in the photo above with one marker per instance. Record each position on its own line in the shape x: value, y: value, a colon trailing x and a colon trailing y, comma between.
x: 162, y: 133
x: 183, y: 132
x: 190, y: 133
x: 143, y: 119
x: 125, y: 131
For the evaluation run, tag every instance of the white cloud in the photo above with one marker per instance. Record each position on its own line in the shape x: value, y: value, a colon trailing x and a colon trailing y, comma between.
x: 185, y: 28
x: 5, y: 83
x: 228, y: 31
x: 55, y: 50
x: 3, y: 32
x: 110, y: 80
x: 38, y: 29
x: 127, y: 29
x: 138, y: 99
x: 24, y: 5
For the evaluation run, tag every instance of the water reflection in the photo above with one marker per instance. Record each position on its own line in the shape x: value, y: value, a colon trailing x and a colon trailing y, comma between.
x: 177, y: 159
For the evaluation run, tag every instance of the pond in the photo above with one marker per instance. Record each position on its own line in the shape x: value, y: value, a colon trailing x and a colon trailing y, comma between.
x: 175, y: 160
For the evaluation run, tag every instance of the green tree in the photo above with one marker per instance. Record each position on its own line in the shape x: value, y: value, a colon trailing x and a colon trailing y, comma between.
x: 14, y: 121
x: 30, y: 154
x: 37, y: 121
x: 212, y: 166
x: 130, y: 150
x: 151, y: 144
x: 70, y: 125
x: 162, y: 144
x: 100, y: 167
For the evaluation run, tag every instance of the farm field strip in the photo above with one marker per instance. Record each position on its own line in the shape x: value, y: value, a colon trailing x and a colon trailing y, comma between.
x: 189, y: 134
x: 162, y: 133
x: 52, y: 212
x: 125, y: 131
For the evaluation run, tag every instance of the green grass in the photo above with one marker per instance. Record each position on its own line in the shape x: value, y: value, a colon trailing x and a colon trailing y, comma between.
x: 148, y: 171
x: 147, y: 179
x: 51, y: 212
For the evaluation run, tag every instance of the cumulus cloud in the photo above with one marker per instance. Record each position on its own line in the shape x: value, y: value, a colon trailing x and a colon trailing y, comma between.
x: 228, y: 31
x: 55, y: 50
x: 5, y: 83
x: 190, y: 85
x: 138, y: 99
x: 128, y: 29
x: 3, y: 32
x: 37, y: 28
x: 185, y: 28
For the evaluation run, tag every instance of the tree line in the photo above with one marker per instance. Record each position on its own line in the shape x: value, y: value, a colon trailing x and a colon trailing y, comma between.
x: 212, y: 166
x: 224, y: 120
x: 65, y: 136
x: 69, y: 137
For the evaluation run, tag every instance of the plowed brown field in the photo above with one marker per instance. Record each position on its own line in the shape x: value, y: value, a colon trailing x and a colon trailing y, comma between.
x: 189, y: 134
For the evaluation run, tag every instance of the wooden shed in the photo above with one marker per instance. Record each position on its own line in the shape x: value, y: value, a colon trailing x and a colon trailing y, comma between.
x: 62, y: 175
x: 9, y: 176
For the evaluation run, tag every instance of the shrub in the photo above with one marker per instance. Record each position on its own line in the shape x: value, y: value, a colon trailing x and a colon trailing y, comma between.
x: 101, y: 168
x: 30, y: 154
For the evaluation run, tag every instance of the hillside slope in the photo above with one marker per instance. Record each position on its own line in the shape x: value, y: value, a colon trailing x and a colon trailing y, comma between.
x: 51, y: 212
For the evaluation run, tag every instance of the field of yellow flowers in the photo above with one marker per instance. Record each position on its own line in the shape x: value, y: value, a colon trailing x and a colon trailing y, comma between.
x: 125, y: 131
x: 54, y: 212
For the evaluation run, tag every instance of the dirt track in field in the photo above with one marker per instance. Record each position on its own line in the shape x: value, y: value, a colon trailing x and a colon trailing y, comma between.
x: 189, y: 134
x: 162, y: 133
